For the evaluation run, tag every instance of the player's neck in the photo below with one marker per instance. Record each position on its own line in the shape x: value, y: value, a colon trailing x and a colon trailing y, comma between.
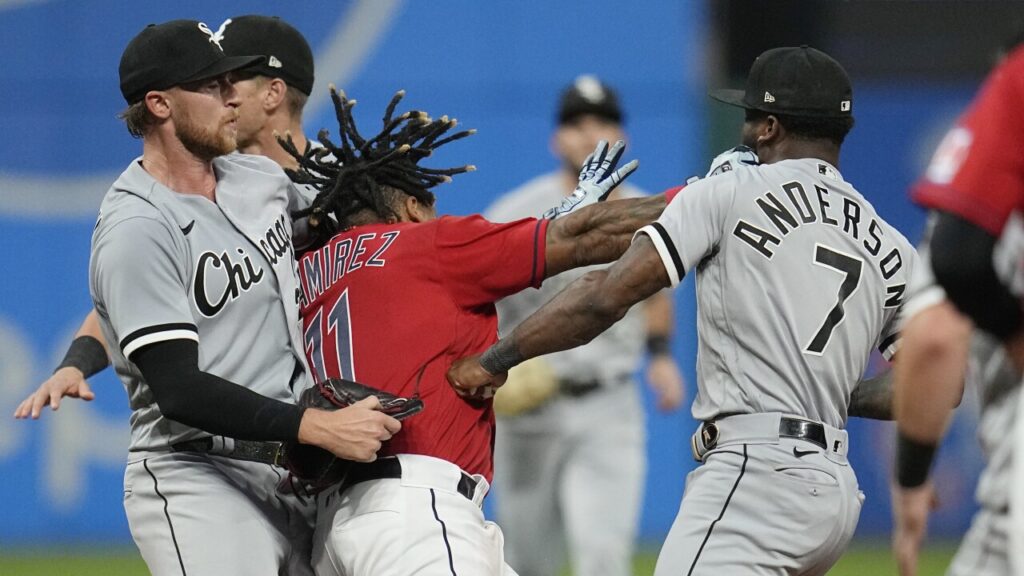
x: 791, y: 149
x: 267, y: 145
x: 170, y: 164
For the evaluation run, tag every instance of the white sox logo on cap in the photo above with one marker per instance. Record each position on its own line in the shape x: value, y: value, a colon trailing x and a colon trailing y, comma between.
x: 215, y: 37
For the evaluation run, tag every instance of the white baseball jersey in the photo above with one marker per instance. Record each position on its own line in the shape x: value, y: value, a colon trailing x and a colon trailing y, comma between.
x: 169, y: 266
x: 615, y: 353
x: 798, y: 279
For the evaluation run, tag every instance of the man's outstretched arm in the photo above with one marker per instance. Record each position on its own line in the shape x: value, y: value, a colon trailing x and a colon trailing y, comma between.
x: 86, y: 356
x: 583, y: 310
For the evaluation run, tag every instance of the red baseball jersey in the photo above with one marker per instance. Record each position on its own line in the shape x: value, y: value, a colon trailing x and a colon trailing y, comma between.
x: 977, y: 171
x: 393, y: 305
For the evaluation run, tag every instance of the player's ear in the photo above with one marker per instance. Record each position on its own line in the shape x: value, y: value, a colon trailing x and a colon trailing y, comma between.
x: 770, y: 131
x: 276, y: 92
x: 158, y: 104
x: 416, y: 211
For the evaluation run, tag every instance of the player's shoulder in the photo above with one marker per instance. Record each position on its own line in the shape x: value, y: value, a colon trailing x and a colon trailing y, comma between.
x: 130, y: 196
x: 474, y: 227
x: 253, y: 164
x: 894, y: 233
x: 528, y: 199
x: 454, y: 222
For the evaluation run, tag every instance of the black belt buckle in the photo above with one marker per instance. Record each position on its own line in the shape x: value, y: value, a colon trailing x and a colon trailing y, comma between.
x: 703, y: 440
x: 709, y: 436
x: 812, y: 432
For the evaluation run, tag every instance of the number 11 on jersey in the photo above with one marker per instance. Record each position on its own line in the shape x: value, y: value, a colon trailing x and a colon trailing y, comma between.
x: 336, y: 330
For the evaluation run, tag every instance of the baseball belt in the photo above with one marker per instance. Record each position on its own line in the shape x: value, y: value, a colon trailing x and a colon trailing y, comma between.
x: 390, y: 467
x: 248, y: 450
x: 764, y: 428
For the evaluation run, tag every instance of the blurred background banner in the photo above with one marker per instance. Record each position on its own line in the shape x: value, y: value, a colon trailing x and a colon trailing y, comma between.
x: 497, y: 67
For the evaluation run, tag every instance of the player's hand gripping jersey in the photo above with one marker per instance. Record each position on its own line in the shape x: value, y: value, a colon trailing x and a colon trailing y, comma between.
x: 392, y: 305
x: 796, y: 239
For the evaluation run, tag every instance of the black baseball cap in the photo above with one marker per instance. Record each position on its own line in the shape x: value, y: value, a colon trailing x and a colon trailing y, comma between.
x: 288, y: 55
x: 174, y: 53
x: 588, y: 95
x: 796, y: 81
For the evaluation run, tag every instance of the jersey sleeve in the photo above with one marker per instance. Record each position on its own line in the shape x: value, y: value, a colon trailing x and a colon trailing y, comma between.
x: 977, y: 172
x: 138, y: 280
x: 691, y: 225
x: 922, y: 290
x: 482, y: 262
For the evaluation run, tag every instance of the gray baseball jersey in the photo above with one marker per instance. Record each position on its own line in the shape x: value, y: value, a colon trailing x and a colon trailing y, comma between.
x: 609, y: 357
x: 798, y: 278
x: 170, y: 266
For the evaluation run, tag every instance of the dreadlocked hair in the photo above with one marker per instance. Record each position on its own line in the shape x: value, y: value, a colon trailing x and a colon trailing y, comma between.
x: 360, y: 174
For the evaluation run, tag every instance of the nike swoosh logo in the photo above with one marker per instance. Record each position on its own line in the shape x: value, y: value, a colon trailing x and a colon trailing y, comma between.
x: 801, y: 453
x: 186, y: 229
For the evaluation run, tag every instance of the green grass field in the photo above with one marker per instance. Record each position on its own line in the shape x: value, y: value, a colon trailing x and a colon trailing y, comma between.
x: 863, y: 559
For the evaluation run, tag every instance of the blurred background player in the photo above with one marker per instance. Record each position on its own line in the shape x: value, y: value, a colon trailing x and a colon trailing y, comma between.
x: 272, y: 94
x: 570, y: 469
x: 975, y: 173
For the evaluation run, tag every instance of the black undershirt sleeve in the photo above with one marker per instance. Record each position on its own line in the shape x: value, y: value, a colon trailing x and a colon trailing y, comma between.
x: 202, y: 400
x: 961, y: 255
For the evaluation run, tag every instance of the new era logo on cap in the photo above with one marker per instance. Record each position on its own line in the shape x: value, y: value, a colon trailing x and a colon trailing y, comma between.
x: 768, y: 97
x: 844, y: 106
x: 273, y: 62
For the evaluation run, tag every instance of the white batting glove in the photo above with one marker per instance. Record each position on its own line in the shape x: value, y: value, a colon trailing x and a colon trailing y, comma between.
x: 731, y: 159
x: 598, y: 178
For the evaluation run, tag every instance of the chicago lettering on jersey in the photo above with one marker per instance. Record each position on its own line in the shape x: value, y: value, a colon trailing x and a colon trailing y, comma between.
x: 219, y: 280
x: 319, y: 270
x: 277, y: 242
x: 794, y: 206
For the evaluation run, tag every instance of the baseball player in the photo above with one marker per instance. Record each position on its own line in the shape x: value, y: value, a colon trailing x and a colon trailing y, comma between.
x: 192, y: 274
x: 798, y: 279
x: 975, y: 188
x: 392, y: 298
x: 547, y: 459
x: 937, y: 348
x: 272, y: 95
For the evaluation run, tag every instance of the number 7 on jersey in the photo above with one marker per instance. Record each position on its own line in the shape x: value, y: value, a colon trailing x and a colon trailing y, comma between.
x: 850, y: 267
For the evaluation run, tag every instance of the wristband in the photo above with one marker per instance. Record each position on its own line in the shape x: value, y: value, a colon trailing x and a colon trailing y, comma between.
x: 501, y: 357
x: 86, y: 354
x: 913, y: 460
x: 658, y: 344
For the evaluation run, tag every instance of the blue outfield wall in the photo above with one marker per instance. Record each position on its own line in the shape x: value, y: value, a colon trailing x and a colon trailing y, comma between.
x: 496, y: 67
